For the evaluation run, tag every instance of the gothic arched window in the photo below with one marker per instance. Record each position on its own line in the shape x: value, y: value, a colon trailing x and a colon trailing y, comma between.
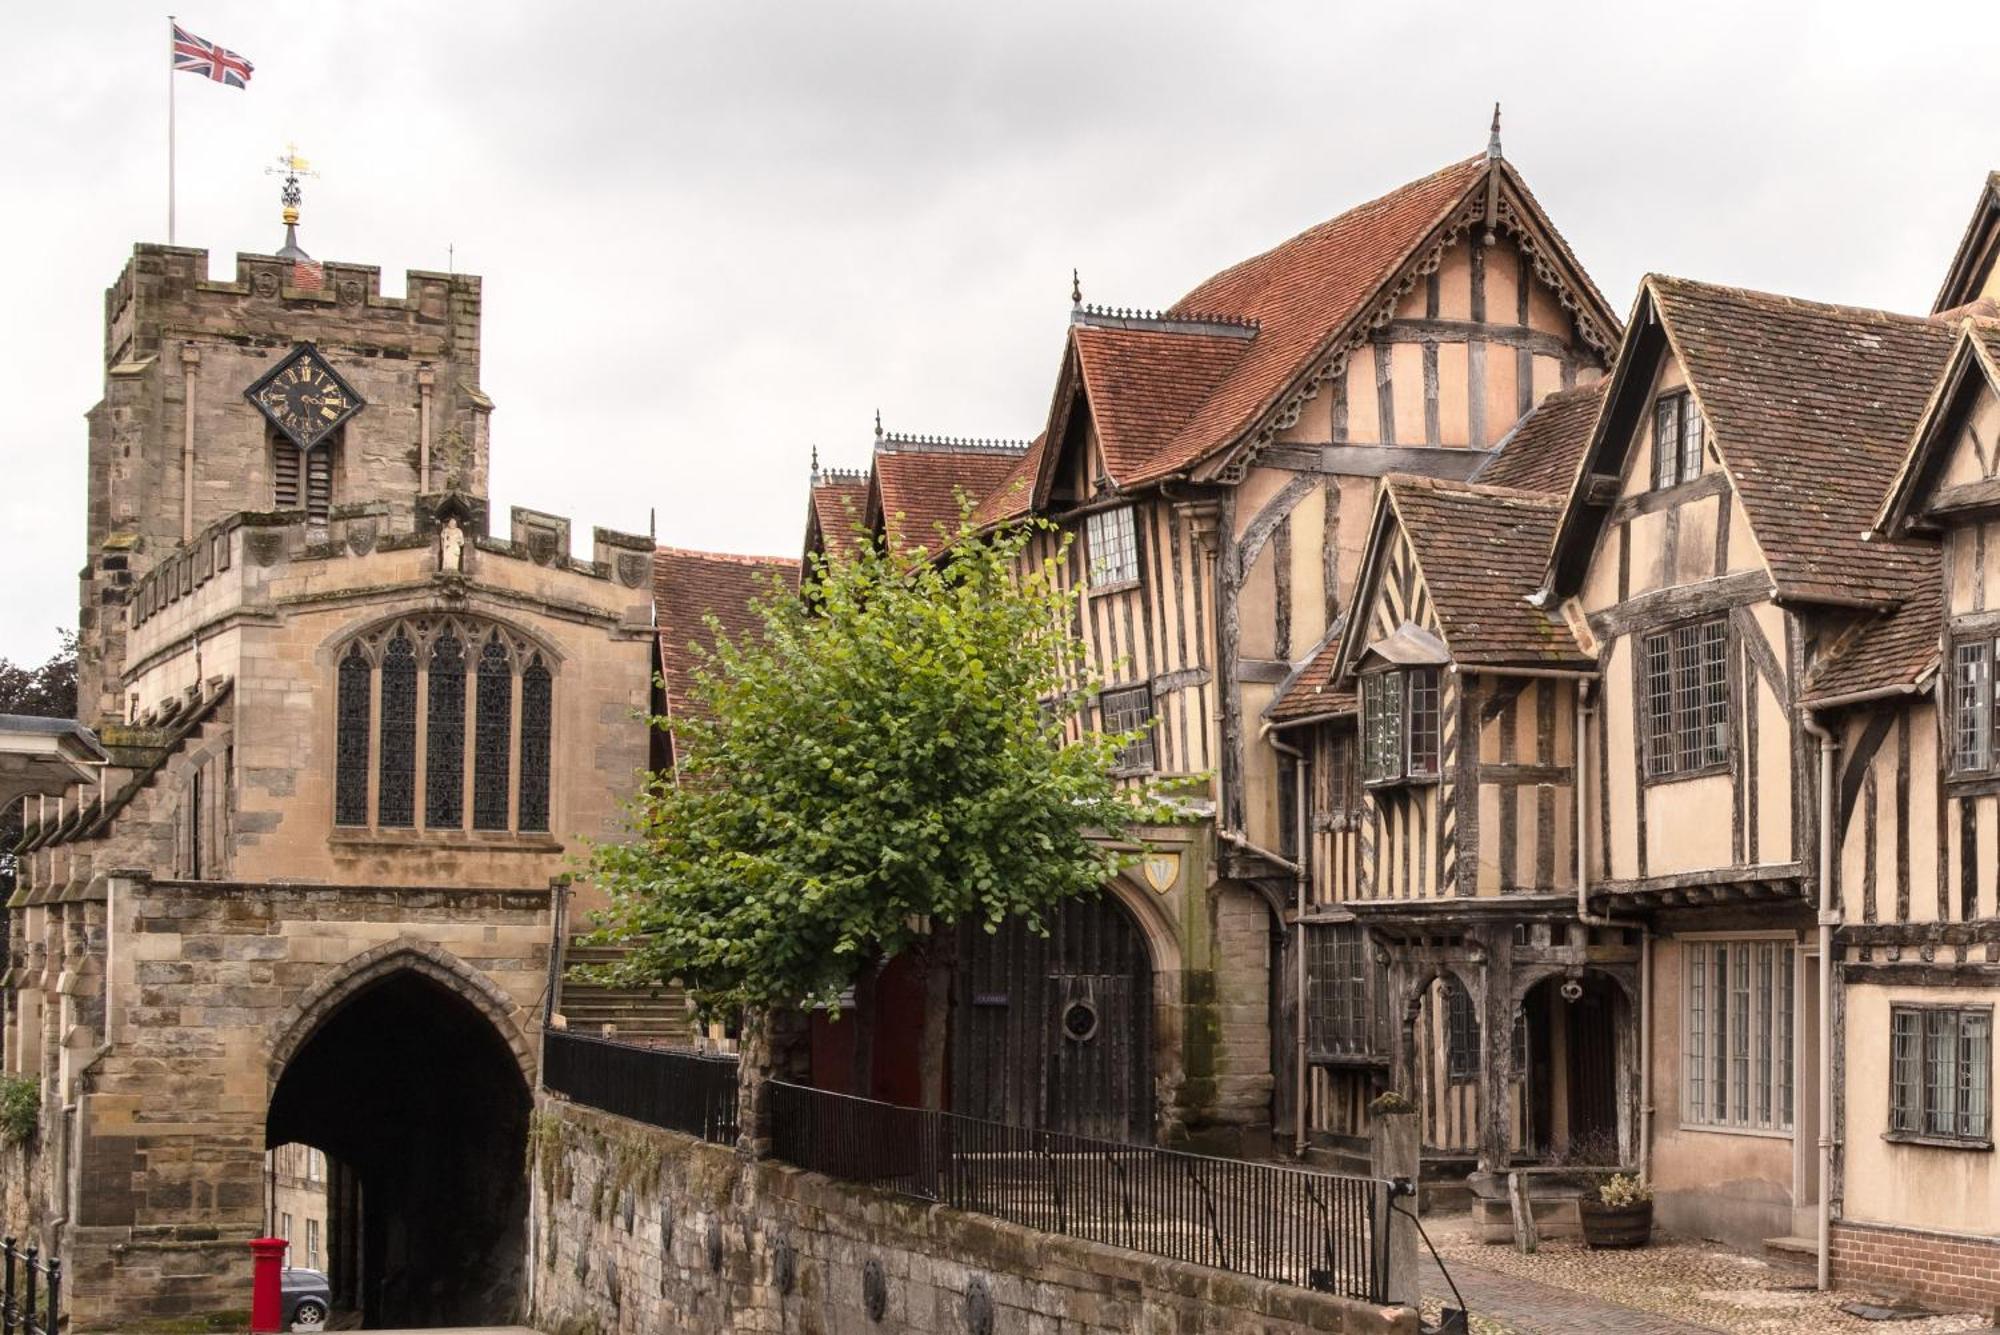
x: 479, y: 696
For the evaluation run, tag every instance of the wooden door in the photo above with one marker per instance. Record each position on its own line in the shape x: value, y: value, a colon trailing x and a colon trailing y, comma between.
x: 1056, y: 1031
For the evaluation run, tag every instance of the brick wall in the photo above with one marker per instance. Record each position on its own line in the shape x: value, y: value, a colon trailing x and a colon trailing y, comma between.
x: 1949, y: 1270
x: 634, y: 1230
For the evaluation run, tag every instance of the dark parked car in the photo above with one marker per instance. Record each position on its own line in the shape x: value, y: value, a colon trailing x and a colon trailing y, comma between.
x: 307, y: 1296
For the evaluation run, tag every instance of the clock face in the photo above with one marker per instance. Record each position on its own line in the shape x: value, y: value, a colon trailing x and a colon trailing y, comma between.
x: 304, y: 397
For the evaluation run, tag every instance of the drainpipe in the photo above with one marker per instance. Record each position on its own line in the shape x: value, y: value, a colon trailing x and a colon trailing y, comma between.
x: 1828, y: 915
x: 1588, y: 919
x: 1300, y: 806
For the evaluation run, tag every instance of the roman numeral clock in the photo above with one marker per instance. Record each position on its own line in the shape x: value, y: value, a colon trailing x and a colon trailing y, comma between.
x: 304, y: 397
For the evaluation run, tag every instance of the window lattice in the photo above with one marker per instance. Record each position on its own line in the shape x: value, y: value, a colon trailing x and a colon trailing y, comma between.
x: 444, y: 743
x: 1401, y: 718
x: 350, y: 779
x: 535, y: 724
x: 495, y: 745
x: 1972, y: 706
x: 1113, y: 546
x: 464, y: 707
x: 1739, y: 1034
x: 396, y: 790
x: 1677, y: 440
x: 1461, y: 1033
x: 1941, y: 1072
x: 1340, y: 1022
x: 1130, y: 711
x: 1687, y: 698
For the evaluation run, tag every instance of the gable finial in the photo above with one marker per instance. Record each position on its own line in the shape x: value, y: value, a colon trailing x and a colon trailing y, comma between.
x: 1075, y: 288
x: 1493, y: 139
x: 815, y: 464
x: 878, y: 424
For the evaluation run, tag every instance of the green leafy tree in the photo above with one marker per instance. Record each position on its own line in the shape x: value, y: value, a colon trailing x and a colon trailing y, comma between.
x: 48, y: 691
x: 887, y: 758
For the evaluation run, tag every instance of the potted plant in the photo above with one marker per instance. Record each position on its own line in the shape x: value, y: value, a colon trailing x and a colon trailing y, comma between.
x: 1621, y: 1216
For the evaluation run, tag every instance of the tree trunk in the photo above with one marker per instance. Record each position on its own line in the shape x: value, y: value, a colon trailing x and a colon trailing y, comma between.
x: 861, y: 1075
x: 940, y: 963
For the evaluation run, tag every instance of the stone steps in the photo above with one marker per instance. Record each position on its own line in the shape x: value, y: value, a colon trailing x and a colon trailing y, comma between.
x: 648, y: 1014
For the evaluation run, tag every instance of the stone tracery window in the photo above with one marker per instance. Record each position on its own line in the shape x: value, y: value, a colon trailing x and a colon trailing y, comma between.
x: 478, y: 695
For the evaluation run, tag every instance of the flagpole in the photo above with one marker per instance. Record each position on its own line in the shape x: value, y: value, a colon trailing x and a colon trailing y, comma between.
x: 170, y: 129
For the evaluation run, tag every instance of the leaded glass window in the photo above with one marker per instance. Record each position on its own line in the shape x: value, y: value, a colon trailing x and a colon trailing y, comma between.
x: 1677, y: 440
x: 1341, y: 979
x: 350, y: 765
x: 1941, y: 1073
x: 1461, y: 1033
x: 535, y: 747
x: 396, y: 790
x: 1687, y: 698
x: 1972, y: 706
x: 1130, y: 711
x: 494, y: 746
x: 477, y: 680
x: 444, y: 744
x: 1113, y: 546
x: 1740, y: 1030
x: 1401, y: 725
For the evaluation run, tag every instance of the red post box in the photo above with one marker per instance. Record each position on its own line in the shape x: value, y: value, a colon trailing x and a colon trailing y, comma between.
x: 267, y: 1288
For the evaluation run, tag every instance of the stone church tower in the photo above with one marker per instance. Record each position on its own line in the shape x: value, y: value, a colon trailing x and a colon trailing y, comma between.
x: 352, y: 740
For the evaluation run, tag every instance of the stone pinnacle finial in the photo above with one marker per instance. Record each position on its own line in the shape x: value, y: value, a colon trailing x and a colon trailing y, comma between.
x: 815, y: 463
x: 1493, y: 140
x: 1075, y: 288
x: 878, y: 424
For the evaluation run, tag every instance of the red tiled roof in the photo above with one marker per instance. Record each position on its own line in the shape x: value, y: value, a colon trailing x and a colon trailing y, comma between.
x: 1812, y: 408
x: 1482, y: 551
x: 1143, y: 384
x: 917, y: 490
x: 1309, y: 693
x: 1302, y: 293
x: 1011, y: 497
x: 1545, y: 450
x: 836, y: 512
x: 1887, y: 652
x: 690, y: 586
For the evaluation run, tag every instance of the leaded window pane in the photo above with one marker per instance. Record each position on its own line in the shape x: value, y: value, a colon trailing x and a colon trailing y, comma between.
x: 1697, y: 1035
x: 444, y: 747
x: 1425, y: 720
x: 1787, y: 997
x: 1382, y: 696
x: 396, y: 795
x: 1973, y: 705
x: 535, y: 724
x: 1975, y: 1074
x: 1765, y: 1030
x: 1940, y: 1073
x: 1661, y: 757
x: 1461, y: 1033
x: 1739, y: 1034
x: 1666, y: 443
x: 493, y: 742
x: 1719, y: 1067
x: 1130, y: 711
x: 1906, y: 1100
x: 1691, y: 438
x: 350, y: 777
x: 1687, y: 698
x: 1114, y: 548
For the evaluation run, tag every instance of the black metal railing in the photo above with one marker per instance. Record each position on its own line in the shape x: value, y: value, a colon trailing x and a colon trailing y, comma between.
x: 690, y: 1092
x: 30, y: 1291
x: 1275, y: 1222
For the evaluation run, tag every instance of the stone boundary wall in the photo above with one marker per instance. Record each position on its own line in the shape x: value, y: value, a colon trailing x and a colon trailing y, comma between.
x: 634, y: 1229
x: 1956, y: 1271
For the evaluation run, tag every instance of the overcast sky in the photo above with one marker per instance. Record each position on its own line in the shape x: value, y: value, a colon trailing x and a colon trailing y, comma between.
x: 716, y: 235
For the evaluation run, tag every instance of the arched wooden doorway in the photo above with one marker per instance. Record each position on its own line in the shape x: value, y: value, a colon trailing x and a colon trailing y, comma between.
x: 1057, y: 1031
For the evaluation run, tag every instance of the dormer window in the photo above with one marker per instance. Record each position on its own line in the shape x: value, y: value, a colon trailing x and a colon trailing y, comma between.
x: 1113, y: 547
x: 1677, y: 440
x: 1400, y: 725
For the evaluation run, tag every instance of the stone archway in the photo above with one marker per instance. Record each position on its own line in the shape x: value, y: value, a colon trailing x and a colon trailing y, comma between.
x: 408, y: 1070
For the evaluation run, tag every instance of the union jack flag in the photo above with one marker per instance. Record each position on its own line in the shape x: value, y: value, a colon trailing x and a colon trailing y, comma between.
x: 198, y: 55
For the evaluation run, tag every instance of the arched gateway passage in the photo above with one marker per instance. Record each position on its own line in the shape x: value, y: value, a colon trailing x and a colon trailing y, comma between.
x: 421, y: 1108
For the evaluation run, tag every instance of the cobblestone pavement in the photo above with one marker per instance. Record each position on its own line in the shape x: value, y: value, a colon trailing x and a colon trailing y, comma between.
x: 1670, y: 1288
